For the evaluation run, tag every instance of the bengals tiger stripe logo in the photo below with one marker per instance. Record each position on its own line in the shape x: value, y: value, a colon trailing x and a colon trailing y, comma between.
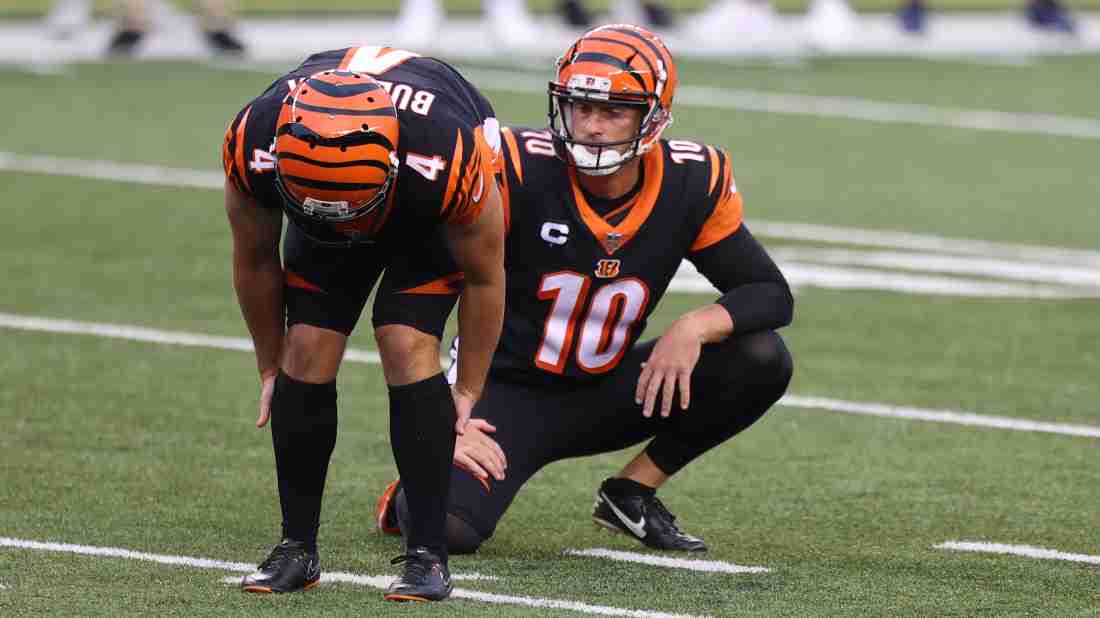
x: 608, y: 269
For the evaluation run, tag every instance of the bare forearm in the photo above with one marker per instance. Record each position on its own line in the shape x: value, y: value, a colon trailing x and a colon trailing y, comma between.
x: 480, y: 317
x: 260, y: 294
x: 710, y: 323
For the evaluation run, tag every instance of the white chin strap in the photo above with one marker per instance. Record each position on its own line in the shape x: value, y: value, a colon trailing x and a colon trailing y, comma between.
x: 611, y: 159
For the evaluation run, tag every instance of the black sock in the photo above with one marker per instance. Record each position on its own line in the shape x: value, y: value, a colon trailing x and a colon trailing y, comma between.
x: 303, y: 431
x: 620, y: 487
x: 422, y: 419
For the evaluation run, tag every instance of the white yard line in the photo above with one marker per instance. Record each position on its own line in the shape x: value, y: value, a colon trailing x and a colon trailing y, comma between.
x: 938, y: 416
x: 999, y: 268
x: 804, y: 274
x: 1074, y: 272
x: 1017, y: 550
x: 109, y: 170
x: 140, y: 333
x: 849, y: 108
x: 703, y: 566
x: 807, y: 232
x: 810, y: 232
x: 376, y: 581
x: 149, y: 335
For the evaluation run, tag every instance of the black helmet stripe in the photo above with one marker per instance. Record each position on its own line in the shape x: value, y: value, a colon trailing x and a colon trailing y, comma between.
x: 381, y: 111
x: 363, y: 162
x: 330, y: 185
x: 652, y: 46
x: 612, y: 61
x: 636, y: 51
x: 358, y: 138
x: 342, y: 90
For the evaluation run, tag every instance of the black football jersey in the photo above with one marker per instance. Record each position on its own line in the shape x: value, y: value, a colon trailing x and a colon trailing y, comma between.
x: 448, y: 145
x: 581, y: 288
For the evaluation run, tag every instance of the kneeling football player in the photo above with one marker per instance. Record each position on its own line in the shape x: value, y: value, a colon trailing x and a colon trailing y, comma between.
x: 601, y: 212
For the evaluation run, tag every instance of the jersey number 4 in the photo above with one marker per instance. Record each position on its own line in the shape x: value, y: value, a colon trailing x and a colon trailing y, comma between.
x: 605, y: 330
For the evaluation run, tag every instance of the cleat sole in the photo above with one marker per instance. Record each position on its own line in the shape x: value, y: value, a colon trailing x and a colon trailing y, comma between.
x: 403, y: 598
x: 266, y: 590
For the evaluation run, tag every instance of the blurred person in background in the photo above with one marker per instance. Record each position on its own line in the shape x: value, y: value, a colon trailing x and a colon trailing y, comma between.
x: 652, y: 12
x: 419, y: 22
x: 511, y: 22
x: 1044, y: 15
x: 216, y: 19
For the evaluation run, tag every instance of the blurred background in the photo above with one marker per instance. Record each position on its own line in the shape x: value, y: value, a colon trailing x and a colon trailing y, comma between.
x: 42, y: 31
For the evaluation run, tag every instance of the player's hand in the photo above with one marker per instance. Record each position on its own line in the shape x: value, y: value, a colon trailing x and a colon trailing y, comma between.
x: 267, y: 390
x: 479, y: 454
x: 464, y: 405
x: 670, y: 364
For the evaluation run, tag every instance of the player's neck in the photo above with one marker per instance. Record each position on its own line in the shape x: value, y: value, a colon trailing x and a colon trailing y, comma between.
x: 613, y: 185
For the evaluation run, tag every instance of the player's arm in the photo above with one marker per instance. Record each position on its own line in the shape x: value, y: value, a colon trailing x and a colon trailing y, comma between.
x: 478, y: 249
x: 258, y: 280
x: 755, y: 297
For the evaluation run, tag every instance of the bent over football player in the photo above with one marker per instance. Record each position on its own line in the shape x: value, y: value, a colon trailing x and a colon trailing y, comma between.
x: 367, y: 151
x: 601, y: 212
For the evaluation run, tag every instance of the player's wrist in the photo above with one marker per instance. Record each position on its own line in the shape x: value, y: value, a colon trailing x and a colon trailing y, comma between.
x: 466, y: 392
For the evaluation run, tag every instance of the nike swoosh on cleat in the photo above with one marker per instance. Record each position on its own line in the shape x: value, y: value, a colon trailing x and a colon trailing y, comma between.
x: 638, y: 527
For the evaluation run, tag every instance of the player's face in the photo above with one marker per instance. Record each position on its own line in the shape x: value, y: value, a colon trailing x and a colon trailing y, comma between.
x: 603, y: 123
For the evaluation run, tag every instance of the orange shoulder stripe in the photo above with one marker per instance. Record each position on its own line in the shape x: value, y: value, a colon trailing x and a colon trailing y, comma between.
x: 346, y: 60
x: 242, y: 171
x: 452, y: 180
x: 513, y: 152
x: 713, y: 168
x: 727, y: 216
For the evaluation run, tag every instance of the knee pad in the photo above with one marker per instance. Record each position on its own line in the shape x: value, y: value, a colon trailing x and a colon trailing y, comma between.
x: 461, y: 536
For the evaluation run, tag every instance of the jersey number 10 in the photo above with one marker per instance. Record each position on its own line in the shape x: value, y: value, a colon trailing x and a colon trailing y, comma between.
x: 605, y: 330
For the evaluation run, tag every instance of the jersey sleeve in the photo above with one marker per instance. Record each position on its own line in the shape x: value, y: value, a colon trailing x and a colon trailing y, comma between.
x: 475, y: 162
x: 233, y: 152
x: 724, y: 201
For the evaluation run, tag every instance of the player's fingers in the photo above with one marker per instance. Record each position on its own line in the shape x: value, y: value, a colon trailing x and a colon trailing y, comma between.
x: 492, y: 445
x: 265, y: 408
x: 685, y: 389
x: 489, y: 462
x: 668, y: 393
x: 464, y: 461
x: 643, y: 383
x: 652, y: 389
x: 480, y: 424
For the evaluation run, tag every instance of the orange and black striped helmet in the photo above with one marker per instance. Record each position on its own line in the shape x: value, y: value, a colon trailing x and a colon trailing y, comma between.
x: 335, y: 151
x: 616, y: 64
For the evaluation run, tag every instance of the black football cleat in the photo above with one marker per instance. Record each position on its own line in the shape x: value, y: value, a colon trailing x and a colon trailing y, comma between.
x: 125, y: 42
x: 643, y: 517
x: 385, y: 514
x: 288, y: 568
x: 425, y: 578
x: 223, y: 42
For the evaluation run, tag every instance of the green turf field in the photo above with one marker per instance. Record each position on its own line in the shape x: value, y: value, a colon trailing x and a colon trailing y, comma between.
x: 151, y: 447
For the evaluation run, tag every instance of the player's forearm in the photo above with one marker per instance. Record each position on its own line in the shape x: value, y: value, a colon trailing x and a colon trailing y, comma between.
x: 260, y: 294
x: 709, y: 323
x: 480, y: 318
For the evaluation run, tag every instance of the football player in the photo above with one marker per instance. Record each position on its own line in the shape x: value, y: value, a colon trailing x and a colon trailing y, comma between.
x: 381, y: 160
x: 601, y: 211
